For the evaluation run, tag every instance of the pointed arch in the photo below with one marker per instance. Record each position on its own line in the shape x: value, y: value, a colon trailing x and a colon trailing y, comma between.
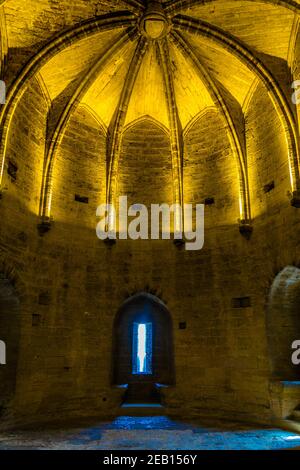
x: 235, y: 142
x: 46, y: 191
x: 44, y: 89
x: 249, y: 96
x: 175, y: 6
x: 143, y: 307
x: 147, y: 118
x: 200, y: 115
x: 238, y: 49
x: 117, y: 127
x: 95, y: 116
x: 16, y: 91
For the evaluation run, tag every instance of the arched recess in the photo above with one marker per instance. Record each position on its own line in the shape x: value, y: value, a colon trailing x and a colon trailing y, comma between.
x: 10, y: 336
x: 145, y: 168
x: 25, y: 149
x: 268, y: 168
x: 79, y: 175
x: 16, y: 91
x: 143, y: 308
x: 117, y: 125
x: 281, y: 104
x: 69, y: 110
x: 210, y: 171
x: 147, y: 119
x: 283, y: 323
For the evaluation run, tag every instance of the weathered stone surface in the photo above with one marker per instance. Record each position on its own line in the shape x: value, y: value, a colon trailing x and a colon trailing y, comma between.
x: 70, y: 285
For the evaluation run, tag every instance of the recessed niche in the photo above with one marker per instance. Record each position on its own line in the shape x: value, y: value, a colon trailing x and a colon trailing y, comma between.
x: 81, y: 199
x: 182, y: 325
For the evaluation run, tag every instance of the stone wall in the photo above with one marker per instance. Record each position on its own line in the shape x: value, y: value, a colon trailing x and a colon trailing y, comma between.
x: 25, y: 150
x: 80, y: 170
x: 74, y: 284
x: 145, y: 167
x: 296, y: 67
x: 267, y: 155
x: 208, y: 158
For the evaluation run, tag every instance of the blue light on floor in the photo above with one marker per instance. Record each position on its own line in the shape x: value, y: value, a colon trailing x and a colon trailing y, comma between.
x: 152, y: 433
x: 141, y: 348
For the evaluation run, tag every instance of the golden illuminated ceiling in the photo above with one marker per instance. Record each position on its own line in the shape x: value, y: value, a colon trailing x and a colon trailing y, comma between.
x: 168, y: 60
x: 263, y: 26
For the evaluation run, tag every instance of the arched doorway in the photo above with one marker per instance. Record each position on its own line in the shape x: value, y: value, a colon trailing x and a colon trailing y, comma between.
x: 143, y: 356
x: 283, y: 323
x: 10, y: 339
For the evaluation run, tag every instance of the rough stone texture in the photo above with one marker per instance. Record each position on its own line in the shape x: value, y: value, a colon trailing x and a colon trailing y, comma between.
x: 85, y: 282
x: 145, y: 168
x: 25, y: 149
x: 267, y: 155
x: 208, y: 158
x: 77, y: 285
x: 10, y: 335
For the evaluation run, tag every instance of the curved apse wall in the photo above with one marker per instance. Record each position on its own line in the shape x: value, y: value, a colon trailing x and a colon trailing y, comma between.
x: 75, y: 284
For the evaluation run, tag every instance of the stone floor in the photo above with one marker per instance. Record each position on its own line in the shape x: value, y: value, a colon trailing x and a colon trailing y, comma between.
x: 151, y: 433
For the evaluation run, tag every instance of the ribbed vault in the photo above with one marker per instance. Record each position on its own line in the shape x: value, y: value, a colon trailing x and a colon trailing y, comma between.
x: 166, y: 60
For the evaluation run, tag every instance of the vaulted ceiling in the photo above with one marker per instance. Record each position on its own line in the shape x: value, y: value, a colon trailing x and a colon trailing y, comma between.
x: 169, y: 60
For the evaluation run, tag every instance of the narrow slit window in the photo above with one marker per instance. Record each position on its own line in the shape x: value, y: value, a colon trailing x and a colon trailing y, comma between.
x: 142, y: 349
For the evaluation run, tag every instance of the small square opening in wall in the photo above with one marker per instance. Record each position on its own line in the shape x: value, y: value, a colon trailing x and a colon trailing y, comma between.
x: 44, y: 298
x: 209, y: 201
x: 241, y: 302
x: 12, y: 170
x: 81, y: 199
x: 36, y: 319
x: 182, y: 325
x: 269, y: 187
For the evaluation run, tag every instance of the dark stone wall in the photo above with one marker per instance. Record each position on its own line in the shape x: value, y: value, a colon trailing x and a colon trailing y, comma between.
x: 145, y: 167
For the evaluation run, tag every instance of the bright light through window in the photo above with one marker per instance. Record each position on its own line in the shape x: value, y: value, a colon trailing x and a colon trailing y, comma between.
x: 141, y: 353
x: 142, y: 348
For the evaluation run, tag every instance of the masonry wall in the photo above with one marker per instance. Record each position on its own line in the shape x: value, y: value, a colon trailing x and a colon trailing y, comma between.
x: 79, y: 174
x: 296, y: 68
x: 73, y: 284
x: 25, y: 150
